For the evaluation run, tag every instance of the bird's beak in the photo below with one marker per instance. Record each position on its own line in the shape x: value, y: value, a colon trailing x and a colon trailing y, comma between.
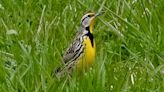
x: 98, y: 14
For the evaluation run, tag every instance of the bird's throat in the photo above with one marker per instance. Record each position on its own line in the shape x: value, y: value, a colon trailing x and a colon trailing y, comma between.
x: 90, y: 35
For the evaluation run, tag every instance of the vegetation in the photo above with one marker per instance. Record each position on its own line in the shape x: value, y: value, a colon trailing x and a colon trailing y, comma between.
x: 129, y: 37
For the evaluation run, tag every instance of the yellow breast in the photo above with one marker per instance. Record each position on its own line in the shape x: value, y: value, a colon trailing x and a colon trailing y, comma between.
x: 89, y: 55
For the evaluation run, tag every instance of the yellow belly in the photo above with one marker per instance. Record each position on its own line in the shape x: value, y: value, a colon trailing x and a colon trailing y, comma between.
x: 89, y: 55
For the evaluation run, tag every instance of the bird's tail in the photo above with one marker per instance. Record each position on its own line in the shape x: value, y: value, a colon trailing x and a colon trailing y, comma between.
x: 58, y: 73
x: 63, y: 71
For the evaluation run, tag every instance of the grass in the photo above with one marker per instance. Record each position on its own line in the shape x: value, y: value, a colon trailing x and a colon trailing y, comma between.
x: 129, y: 36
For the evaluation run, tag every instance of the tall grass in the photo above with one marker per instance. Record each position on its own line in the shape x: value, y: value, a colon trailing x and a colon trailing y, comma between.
x: 35, y: 33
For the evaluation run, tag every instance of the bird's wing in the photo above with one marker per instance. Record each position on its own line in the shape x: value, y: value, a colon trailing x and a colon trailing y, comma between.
x: 74, y: 50
x: 69, y: 57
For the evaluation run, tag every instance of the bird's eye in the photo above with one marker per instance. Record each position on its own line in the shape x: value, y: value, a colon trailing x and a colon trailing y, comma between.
x: 89, y: 15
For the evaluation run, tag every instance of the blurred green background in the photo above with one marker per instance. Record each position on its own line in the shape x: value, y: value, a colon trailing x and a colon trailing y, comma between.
x: 35, y: 33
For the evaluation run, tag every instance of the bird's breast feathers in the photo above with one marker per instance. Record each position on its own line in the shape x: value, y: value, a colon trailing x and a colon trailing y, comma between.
x: 89, y: 54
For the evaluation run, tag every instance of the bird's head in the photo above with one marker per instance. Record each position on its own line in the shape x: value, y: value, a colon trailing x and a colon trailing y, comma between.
x: 88, y: 21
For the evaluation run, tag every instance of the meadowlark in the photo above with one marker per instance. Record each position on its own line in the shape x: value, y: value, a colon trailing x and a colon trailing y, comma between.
x: 81, y: 53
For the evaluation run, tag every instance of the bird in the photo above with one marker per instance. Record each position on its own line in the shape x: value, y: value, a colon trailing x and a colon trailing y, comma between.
x: 80, y: 55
